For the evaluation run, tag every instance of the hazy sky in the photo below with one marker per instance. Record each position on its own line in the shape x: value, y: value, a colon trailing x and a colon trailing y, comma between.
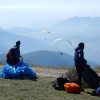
x: 38, y: 13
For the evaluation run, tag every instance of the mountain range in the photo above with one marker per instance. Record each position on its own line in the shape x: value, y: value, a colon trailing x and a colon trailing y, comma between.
x: 75, y: 29
x: 28, y: 44
x: 48, y: 58
x: 74, y: 26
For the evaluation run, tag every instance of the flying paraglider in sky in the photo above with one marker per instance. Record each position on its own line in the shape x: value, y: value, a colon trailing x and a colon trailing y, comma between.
x: 46, y: 31
x: 62, y: 39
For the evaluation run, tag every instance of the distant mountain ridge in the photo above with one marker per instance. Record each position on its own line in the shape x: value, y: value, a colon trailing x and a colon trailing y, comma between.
x: 48, y: 58
x: 76, y: 29
x: 28, y: 44
x: 23, y: 31
x: 81, y: 21
x: 74, y: 25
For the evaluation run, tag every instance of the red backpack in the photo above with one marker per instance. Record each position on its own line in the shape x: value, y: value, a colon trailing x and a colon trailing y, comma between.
x: 11, y: 54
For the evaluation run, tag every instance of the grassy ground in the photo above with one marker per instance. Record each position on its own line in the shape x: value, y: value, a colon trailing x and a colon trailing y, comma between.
x: 40, y: 89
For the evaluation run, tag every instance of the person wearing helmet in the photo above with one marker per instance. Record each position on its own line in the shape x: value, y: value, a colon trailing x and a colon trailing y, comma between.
x: 80, y: 62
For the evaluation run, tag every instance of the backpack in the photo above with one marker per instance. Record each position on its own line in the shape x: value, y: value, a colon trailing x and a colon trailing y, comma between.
x: 11, y: 54
x: 59, y: 84
x: 72, y: 88
x: 11, y: 57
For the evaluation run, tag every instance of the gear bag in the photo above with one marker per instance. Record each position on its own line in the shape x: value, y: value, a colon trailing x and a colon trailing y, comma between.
x: 59, y: 84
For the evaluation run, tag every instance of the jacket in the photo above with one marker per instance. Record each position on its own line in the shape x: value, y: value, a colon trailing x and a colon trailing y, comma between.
x: 17, y: 52
x: 79, y: 56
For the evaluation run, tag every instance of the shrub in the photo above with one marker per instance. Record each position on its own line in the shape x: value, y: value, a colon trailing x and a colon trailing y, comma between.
x: 97, y: 69
x: 72, y: 76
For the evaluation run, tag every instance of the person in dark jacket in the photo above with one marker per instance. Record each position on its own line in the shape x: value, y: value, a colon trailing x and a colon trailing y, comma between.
x: 13, y: 56
x: 80, y: 62
x: 17, y: 51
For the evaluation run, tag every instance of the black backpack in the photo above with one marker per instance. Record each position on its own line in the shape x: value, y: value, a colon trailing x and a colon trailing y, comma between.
x: 59, y: 84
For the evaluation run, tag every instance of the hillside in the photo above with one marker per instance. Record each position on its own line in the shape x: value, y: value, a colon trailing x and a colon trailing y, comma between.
x: 82, y: 26
x: 24, y: 31
x: 28, y: 44
x: 74, y: 26
x: 49, y: 58
x: 46, y: 58
x: 76, y: 29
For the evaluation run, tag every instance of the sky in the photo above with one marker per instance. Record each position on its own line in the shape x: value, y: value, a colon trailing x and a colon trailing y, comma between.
x: 40, y: 13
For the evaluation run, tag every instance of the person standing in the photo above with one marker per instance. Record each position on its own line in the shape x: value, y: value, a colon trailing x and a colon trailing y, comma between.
x: 80, y: 62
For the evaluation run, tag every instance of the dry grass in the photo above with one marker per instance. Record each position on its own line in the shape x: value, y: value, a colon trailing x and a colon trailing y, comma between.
x: 41, y: 89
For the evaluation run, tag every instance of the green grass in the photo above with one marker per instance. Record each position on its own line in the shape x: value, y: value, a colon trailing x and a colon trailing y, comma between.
x: 38, y: 90
x: 11, y: 89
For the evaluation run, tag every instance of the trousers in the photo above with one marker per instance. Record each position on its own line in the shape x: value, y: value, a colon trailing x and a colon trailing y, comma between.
x: 80, y: 69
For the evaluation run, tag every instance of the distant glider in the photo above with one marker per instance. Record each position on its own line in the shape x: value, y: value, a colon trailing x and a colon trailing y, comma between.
x: 46, y: 31
x: 61, y: 53
x: 62, y: 39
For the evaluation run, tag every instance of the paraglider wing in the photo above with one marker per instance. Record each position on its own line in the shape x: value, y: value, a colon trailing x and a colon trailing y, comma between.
x: 62, y: 39
x: 46, y: 31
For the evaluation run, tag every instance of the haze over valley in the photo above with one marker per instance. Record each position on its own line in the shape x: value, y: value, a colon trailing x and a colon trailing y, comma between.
x: 33, y: 40
x: 76, y: 21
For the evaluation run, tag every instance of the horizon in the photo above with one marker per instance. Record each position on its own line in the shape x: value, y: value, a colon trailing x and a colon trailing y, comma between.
x: 47, y: 26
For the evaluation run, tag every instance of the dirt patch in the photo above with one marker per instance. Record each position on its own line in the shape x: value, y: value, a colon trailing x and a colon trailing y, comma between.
x: 1, y: 66
x: 42, y: 71
x: 49, y: 71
